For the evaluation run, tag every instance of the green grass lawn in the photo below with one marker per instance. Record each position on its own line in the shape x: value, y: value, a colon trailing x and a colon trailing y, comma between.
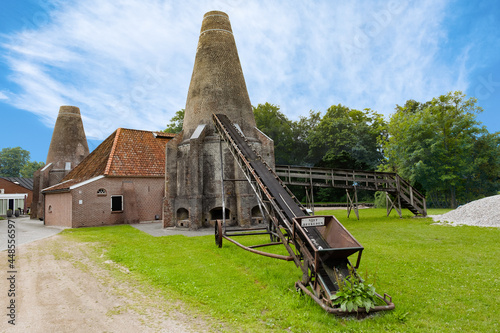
x: 441, y: 278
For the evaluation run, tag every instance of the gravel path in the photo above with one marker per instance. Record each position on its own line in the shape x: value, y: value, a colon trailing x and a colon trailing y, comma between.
x: 483, y: 213
x: 59, y: 288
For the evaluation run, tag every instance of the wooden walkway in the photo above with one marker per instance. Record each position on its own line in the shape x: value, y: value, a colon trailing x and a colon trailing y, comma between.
x: 399, y: 193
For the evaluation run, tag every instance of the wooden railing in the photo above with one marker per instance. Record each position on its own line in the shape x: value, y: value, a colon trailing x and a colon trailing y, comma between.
x: 388, y: 182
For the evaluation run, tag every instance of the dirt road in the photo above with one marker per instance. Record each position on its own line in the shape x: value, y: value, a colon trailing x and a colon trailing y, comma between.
x: 58, y: 288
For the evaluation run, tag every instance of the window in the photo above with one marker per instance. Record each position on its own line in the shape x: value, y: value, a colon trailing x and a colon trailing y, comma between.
x: 3, y: 206
x: 101, y: 192
x: 116, y: 203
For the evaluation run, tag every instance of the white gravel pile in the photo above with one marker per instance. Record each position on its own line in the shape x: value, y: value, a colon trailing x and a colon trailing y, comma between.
x: 483, y: 213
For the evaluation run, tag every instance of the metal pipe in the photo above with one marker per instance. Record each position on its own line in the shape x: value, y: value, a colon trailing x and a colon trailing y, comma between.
x: 263, y: 245
x: 248, y: 233
x: 222, y: 185
x: 266, y: 254
x: 245, y: 229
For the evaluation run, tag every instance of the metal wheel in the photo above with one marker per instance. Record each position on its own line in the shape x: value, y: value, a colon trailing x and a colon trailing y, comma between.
x: 218, y: 233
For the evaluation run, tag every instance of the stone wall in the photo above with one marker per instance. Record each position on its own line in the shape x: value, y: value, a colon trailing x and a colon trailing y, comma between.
x: 193, y: 196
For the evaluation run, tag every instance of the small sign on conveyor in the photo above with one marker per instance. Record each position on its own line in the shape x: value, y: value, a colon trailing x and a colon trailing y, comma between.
x: 313, y: 222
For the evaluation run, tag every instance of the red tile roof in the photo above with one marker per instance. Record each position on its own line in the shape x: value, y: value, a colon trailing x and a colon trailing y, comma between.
x: 125, y: 153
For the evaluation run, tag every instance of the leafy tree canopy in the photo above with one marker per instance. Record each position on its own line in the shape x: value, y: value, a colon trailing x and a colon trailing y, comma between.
x: 438, y: 145
x: 348, y: 138
x: 290, y: 137
x: 29, y: 168
x: 278, y: 127
x: 175, y: 125
x: 442, y: 148
x: 12, y: 161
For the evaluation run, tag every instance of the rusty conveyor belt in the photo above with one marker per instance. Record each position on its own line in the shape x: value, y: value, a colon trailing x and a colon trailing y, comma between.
x: 321, y: 252
x: 269, y: 183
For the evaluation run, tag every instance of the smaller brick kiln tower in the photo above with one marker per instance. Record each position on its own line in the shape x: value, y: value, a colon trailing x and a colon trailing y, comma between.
x: 67, y: 149
x: 193, y: 195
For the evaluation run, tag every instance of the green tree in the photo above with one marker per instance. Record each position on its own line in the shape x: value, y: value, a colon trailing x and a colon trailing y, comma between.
x: 441, y: 147
x: 12, y: 161
x: 176, y: 122
x: 278, y: 127
x: 348, y: 138
x: 290, y: 137
x: 301, y: 131
x: 485, y: 178
x: 29, y: 168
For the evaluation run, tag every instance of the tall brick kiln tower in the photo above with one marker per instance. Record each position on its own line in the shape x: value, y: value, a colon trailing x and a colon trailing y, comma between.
x: 67, y: 149
x: 193, y: 170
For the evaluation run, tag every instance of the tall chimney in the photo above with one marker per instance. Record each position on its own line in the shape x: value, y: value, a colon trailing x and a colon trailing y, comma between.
x: 69, y: 143
x: 193, y: 191
x: 217, y: 83
x: 67, y: 149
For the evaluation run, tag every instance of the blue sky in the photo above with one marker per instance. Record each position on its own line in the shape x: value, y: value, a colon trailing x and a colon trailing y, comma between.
x: 128, y: 63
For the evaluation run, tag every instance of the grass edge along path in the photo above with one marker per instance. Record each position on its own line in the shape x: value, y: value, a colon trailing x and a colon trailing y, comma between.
x: 441, y: 278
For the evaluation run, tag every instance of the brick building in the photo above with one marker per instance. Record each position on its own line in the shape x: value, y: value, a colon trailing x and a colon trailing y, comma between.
x: 67, y: 149
x: 121, y: 181
x: 15, y: 192
x: 194, y: 159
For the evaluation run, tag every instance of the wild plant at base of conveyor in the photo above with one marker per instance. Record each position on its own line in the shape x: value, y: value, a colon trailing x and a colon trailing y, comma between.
x: 353, y: 293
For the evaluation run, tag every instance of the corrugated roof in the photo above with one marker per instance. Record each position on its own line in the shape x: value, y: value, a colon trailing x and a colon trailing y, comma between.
x: 125, y: 153
x: 24, y: 182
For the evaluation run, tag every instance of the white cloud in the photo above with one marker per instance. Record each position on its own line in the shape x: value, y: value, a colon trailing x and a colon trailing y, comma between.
x: 128, y: 64
x: 3, y: 96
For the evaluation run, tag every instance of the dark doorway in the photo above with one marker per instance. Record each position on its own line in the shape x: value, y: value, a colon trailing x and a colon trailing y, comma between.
x: 216, y: 214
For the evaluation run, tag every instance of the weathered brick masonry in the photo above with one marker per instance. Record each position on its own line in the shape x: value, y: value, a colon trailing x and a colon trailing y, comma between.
x: 90, y: 204
x: 193, y: 195
x: 67, y: 149
x: 121, y: 181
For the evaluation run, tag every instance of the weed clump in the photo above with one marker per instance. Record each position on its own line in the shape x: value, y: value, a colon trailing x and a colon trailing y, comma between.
x: 354, y: 293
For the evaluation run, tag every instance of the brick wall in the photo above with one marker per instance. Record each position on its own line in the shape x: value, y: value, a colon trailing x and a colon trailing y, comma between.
x: 91, y: 208
x: 58, y: 209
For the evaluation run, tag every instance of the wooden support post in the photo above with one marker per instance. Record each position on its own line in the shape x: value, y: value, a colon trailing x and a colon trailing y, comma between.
x: 411, y: 196
x: 352, y: 204
x: 393, y: 204
x: 387, y: 200
x: 307, y: 196
x: 312, y: 190
x: 356, y: 201
x: 309, y: 199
